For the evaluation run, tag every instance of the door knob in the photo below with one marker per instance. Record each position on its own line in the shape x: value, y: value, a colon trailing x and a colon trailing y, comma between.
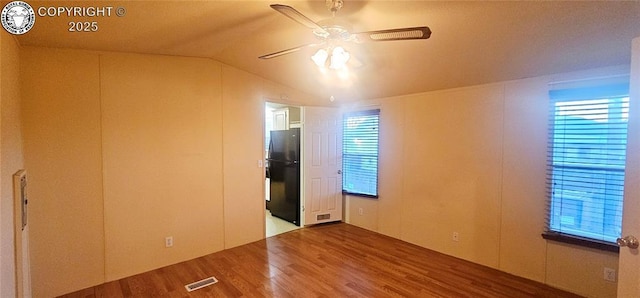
x: 339, y: 172
x: 629, y: 241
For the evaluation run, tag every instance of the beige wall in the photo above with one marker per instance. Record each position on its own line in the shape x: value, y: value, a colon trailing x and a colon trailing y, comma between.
x: 243, y: 105
x: 63, y: 156
x: 523, y: 178
x: 162, y: 160
x: 124, y: 150
x: 472, y: 160
x: 11, y: 157
x: 452, y: 172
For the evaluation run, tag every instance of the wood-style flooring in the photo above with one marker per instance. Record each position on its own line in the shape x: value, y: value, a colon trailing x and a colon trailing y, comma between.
x: 333, y: 260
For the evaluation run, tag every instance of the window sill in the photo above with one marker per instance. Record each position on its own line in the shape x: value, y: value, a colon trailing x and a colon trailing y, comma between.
x: 346, y: 193
x: 580, y: 241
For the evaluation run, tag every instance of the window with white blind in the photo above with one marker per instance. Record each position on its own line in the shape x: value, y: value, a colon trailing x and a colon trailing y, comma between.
x: 360, y: 153
x: 587, y: 152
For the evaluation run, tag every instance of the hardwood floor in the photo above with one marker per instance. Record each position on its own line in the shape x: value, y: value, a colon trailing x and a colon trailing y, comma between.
x: 333, y: 260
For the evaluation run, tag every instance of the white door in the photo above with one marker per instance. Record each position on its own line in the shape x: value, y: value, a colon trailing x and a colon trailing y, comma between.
x: 629, y: 261
x: 322, y: 167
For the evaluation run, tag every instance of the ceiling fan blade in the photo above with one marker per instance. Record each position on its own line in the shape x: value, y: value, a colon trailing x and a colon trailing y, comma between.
x: 394, y: 34
x: 295, y: 15
x: 288, y: 51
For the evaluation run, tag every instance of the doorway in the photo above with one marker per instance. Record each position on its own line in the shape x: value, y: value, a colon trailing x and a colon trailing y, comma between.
x: 283, y: 181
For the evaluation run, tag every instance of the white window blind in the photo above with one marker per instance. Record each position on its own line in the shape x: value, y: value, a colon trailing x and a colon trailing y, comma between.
x: 587, y: 152
x: 360, y: 153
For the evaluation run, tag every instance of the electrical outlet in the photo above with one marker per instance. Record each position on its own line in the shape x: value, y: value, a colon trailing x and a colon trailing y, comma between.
x: 168, y: 241
x: 455, y: 236
x: 360, y: 211
x: 609, y: 274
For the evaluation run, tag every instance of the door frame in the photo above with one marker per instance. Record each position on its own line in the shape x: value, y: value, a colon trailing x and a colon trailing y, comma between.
x: 629, y: 259
x: 265, y: 103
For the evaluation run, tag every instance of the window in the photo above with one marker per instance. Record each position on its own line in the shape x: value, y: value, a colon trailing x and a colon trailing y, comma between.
x: 360, y: 153
x: 587, y: 152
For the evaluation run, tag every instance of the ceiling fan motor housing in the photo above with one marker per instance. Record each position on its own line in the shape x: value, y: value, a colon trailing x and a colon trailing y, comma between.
x: 335, y: 31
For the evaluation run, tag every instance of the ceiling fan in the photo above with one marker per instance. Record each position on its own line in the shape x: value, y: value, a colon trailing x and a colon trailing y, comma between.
x: 330, y: 34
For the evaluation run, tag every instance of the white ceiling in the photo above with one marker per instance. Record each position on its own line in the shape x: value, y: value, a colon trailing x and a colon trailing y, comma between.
x: 473, y: 42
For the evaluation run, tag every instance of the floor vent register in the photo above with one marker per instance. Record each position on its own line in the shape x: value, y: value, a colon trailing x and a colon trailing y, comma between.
x: 201, y: 284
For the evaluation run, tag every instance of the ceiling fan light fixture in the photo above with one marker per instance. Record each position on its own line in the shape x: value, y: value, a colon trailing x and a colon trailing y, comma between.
x: 320, y: 58
x: 339, y: 58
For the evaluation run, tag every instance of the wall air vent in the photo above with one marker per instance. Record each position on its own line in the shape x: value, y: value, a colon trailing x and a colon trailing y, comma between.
x: 323, y: 216
x: 201, y: 284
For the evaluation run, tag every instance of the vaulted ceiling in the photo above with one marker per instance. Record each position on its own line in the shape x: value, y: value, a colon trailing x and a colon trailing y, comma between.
x: 473, y: 42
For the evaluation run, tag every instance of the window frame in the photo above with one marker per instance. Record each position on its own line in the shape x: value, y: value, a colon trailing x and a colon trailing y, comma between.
x: 345, y: 155
x: 608, y: 91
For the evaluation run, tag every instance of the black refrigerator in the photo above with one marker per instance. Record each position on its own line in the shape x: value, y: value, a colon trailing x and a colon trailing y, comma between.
x: 283, y: 171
